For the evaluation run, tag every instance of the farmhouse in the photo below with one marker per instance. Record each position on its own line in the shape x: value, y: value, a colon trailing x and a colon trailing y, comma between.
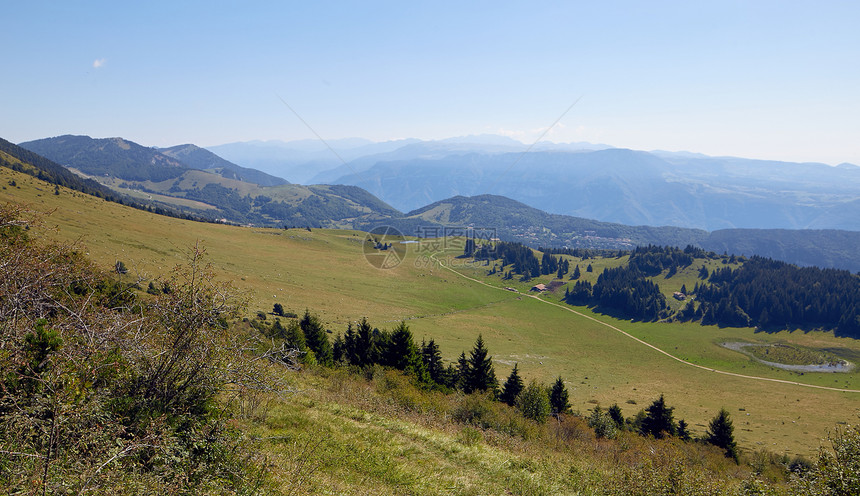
x: 679, y: 296
x: 540, y: 288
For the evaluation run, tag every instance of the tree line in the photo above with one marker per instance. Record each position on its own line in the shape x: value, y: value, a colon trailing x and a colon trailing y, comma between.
x: 363, y: 346
x: 768, y: 293
x: 760, y: 292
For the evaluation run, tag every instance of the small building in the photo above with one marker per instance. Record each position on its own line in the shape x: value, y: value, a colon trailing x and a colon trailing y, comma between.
x: 540, y: 288
x: 679, y: 296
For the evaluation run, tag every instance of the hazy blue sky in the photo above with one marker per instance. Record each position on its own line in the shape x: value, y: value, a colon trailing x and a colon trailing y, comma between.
x: 761, y: 79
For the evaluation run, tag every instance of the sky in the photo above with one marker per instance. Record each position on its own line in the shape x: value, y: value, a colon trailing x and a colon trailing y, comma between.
x: 758, y: 79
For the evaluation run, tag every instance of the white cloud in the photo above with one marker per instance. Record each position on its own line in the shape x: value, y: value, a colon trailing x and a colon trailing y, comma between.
x: 97, y: 63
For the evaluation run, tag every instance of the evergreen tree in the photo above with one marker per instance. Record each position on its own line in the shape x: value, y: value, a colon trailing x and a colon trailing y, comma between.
x: 576, y: 272
x: 432, y: 357
x: 589, y: 268
x: 451, y: 377
x: 295, y: 337
x: 512, y: 388
x: 462, y: 371
x: 658, y: 420
x: 616, y: 415
x: 278, y: 330
x: 470, y: 247
x: 401, y: 351
x: 481, y: 374
x: 349, y: 341
x: 402, y: 354
x: 366, y: 346
x: 721, y: 434
x: 338, y: 349
x: 317, y: 339
x: 558, y: 397
x: 683, y: 430
x: 602, y: 424
x: 278, y: 310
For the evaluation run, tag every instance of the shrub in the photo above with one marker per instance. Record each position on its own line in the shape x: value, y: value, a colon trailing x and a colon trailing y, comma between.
x: 603, y: 424
x: 533, y: 402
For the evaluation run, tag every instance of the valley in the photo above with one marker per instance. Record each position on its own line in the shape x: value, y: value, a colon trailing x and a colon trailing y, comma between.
x: 325, y: 271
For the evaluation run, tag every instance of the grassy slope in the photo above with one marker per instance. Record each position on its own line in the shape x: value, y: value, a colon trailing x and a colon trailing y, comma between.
x: 326, y: 272
x: 346, y: 435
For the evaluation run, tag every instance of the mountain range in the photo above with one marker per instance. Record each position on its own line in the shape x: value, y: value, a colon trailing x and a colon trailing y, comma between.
x: 629, y: 187
x: 197, y: 181
x: 593, y: 181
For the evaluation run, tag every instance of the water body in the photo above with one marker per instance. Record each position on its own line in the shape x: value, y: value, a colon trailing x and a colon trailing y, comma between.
x: 836, y: 366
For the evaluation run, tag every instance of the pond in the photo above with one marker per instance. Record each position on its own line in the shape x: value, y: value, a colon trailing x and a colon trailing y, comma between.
x: 833, y: 365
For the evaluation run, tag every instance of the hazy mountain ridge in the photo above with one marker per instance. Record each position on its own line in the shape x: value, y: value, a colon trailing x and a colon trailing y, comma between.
x: 299, y: 161
x: 140, y: 172
x: 516, y: 221
x: 213, y: 196
x: 202, y: 159
x: 625, y: 186
x: 511, y: 220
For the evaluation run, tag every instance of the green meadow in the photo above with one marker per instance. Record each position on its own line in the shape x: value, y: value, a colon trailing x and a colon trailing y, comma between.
x: 327, y: 272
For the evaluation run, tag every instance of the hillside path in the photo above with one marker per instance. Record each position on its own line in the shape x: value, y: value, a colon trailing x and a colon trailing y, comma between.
x: 659, y: 350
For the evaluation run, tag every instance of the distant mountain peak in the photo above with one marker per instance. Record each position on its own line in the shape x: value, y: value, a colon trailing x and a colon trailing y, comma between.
x: 484, y: 139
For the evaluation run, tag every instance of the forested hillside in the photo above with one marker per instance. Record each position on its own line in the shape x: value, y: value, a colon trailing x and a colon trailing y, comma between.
x: 19, y: 159
x: 759, y: 292
x: 770, y: 294
x: 114, y: 157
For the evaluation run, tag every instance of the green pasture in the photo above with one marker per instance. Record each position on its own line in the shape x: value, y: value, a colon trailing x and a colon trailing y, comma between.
x: 326, y: 271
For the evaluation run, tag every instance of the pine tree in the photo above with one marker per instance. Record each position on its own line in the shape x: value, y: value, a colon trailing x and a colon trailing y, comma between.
x: 589, y: 268
x: 278, y: 330
x: 338, y: 349
x: 616, y: 415
x: 295, y: 337
x: 402, y: 354
x: 558, y: 398
x: 366, y: 348
x: 470, y: 247
x: 349, y: 340
x: 721, y: 434
x: 683, y: 430
x: 481, y: 374
x: 462, y: 371
x: 432, y: 358
x: 658, y: 421
x: 316, y: 338
x: 512, y: 388
x: 576, y: 272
